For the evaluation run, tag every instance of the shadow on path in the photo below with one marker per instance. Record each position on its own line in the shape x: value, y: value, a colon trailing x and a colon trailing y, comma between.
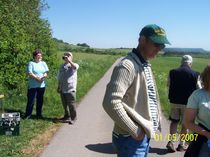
x: 101, y: 148
x: 33, y: 117
x: 159, y: 151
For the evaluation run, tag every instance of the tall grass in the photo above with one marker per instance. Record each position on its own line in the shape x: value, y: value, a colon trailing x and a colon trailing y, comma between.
x: 92, y: 68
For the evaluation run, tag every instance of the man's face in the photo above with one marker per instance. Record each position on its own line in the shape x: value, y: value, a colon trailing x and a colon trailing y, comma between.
x: 151, y: 49
x: 67, y: 58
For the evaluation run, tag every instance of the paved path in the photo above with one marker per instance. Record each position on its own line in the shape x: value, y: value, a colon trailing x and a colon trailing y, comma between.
x: 158, y: 148
x: 90, y: 136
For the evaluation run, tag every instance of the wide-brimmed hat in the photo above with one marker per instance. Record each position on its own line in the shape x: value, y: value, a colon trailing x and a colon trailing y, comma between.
x: 155, y: 33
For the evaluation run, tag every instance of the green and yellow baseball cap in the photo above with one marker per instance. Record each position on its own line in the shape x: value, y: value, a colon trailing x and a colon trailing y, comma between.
x: 155, y: 33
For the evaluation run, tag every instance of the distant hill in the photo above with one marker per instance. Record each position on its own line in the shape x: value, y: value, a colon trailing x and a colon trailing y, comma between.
x: 64, y: 46
x: 181, y: 51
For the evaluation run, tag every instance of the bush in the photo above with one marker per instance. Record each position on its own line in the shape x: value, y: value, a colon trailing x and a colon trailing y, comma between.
x: 22, y: 30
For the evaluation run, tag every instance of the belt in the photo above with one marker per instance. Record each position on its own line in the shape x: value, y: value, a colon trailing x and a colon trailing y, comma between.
x: 122, y: 135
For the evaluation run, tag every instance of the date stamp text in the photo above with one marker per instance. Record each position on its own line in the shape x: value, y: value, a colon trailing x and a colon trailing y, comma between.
x: 175, y: 137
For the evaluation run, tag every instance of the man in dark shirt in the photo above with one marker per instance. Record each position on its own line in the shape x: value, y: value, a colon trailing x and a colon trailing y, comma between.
x: 182, y: 82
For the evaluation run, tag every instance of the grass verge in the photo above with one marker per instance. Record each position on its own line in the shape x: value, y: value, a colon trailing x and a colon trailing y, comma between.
x: 35, y: 134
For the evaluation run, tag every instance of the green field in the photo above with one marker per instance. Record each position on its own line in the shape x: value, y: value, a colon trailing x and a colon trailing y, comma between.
x: 36, y: 133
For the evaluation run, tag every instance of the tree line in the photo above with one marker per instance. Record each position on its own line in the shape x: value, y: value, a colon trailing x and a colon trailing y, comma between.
x: 22, y: 30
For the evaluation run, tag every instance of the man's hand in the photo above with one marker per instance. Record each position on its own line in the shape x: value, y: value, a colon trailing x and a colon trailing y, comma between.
x: 141, y: 135
x: 69, y: 58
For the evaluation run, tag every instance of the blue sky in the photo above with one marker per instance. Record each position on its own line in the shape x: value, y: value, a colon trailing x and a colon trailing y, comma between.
x: 117, y: 23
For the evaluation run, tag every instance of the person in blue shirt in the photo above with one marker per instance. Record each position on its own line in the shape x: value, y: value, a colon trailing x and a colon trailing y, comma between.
x: 37, y: 71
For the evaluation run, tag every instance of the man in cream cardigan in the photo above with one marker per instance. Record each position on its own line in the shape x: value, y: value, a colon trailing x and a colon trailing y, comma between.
x: 131, y: 97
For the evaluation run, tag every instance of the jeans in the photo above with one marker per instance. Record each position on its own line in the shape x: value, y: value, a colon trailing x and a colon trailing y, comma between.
x: 126, y: 146
x: 39, y: 94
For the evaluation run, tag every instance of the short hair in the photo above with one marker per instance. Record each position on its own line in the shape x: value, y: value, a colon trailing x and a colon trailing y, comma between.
x: 68, y: 54
x: 36, y: 52
x: 187, y: 59
x: 205, y: 77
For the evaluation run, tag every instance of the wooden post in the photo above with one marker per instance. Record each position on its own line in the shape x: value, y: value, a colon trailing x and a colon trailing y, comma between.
x: 1, y: 103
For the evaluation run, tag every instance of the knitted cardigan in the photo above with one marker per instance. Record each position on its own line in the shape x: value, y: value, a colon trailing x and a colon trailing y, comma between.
x: 126, y: 98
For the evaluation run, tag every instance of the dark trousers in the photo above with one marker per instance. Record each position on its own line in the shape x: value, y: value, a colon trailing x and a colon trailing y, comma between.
x: 39, y: 94
x: 69, y: 105
x: 195, y: 146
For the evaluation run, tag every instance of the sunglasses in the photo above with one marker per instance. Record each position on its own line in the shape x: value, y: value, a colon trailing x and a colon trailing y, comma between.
x: 64, y: 57
x: 161, y: 46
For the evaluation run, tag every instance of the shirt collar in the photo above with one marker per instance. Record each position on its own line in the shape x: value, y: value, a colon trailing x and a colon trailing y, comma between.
x: 143, y: 61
